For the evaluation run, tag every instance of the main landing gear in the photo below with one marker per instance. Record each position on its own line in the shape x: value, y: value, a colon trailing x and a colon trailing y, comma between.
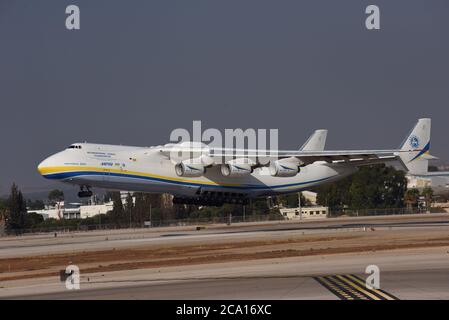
x: 85, y: 193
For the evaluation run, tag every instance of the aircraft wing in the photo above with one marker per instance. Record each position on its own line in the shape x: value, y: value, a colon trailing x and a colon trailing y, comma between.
x: 356, y: 157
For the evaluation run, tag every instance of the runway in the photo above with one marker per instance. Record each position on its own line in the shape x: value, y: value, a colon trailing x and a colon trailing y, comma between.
x: 410, y: 274
x: 405, y: 286
x: 317, y: 260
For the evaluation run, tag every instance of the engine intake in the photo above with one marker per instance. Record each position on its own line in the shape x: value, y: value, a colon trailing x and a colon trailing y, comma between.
x: 237, y: 168
x: 190, y: 168
x: 284, y: 168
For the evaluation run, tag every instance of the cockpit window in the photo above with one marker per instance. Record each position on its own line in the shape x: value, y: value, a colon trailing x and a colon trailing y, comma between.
x: 74, y: 147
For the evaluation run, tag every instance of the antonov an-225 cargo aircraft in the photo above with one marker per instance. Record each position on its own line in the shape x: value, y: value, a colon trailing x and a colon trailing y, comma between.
x: 195, y: 173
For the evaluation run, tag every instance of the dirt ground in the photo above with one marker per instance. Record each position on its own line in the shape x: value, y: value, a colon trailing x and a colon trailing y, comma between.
x: 156, y: 256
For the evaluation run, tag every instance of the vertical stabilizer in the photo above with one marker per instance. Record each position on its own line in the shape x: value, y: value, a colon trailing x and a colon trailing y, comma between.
x: 316, y: 141
x: 415, y: 148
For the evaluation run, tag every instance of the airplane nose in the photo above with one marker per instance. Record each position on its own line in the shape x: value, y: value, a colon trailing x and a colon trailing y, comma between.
x: 44, y: 165
x: 40, y: 167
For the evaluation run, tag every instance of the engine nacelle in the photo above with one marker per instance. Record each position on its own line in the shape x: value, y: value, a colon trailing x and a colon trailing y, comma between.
x: 190, y: 168
x: 237, y: 168
x: 283, y: 168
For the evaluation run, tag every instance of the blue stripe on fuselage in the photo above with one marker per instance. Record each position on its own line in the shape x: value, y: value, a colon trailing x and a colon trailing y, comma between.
x: 424, y: 150
x: 65, y: 175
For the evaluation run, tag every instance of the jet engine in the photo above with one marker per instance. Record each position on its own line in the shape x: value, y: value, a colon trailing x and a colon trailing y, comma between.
x: 237, y: 168
x: 190, y: 168
x: 284, y: 168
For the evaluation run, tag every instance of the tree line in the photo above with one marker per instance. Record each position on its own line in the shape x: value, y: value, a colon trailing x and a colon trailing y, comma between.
x: 372, y: 187
x: 13, y: 212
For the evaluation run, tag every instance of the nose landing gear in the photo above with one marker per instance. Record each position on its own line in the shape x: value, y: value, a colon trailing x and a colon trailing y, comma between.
x: 85, y: 193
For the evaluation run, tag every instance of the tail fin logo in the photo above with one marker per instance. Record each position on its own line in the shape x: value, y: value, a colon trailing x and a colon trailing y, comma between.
x: 414, y: 142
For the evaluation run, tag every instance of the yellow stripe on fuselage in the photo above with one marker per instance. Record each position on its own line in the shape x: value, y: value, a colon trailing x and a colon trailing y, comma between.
x: 65, y: 169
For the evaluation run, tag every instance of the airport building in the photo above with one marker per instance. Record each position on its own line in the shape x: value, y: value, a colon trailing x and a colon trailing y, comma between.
x: 59, y: 210
x: 303, y: 213
x: 75, y: 211
x: 418, y: 182
x: 55, y: 211
x: 310, y: 196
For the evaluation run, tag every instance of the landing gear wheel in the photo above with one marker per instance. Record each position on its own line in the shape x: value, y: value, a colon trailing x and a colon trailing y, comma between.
x: 85, y: 193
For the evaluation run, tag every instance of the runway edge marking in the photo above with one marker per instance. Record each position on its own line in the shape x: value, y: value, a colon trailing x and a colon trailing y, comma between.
x: 351, y: 287
x: 359, y: 295
x: 336, y: 290
x: 383, y: 293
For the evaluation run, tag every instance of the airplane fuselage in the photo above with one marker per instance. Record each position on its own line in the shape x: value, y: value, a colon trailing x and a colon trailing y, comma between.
x: 147, y: 170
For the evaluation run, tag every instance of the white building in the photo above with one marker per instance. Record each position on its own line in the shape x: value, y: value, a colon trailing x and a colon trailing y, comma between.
x: 59, y: 211
x: 90, y: 211
x: 310, y: 196
x: 304, y: 213
x: 418, y: 182
x: 51, y: 211
x: 439, y: 184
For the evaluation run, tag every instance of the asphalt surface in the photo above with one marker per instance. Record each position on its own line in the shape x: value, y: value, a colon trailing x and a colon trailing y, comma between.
x: 402, y: 276
x: 98, y: 240
x: 401, y: 284
x: 415, y: 273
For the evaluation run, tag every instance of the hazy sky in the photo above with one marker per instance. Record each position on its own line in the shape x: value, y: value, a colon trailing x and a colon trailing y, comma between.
x: 138, y: 69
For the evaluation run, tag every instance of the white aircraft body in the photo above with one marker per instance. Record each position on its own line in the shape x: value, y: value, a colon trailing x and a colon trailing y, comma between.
x: 196, y: 173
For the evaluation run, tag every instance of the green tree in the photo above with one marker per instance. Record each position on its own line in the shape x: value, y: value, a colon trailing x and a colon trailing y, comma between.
x: 334, y: 195
x: 16, y: 210
x: 427, y: 193
x: 55, y: 196
x: 3, y: 209
x: 129, y: 208
x: 140, y: 208
x: 108, y: 196
x: 411, y: 198
x: 35, y: 205
x: 290, y: 200
x: 394, y: 188
x: 117, y: 212
x: 2, y: 205
x: 377, y: 187
x: 374, y: 186
x: 33, y: 219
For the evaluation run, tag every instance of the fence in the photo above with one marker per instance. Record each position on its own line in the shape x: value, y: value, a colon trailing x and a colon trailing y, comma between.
x: 374, y: 212
x: 78, y: 225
